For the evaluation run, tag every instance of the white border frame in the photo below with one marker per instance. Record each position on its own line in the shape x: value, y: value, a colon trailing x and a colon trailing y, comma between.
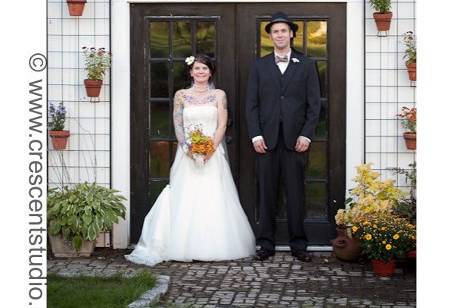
x: 120, y: 136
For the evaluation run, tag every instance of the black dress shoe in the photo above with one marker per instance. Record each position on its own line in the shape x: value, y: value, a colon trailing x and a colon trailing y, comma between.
x: 301, y: 255
x: 264, y: 254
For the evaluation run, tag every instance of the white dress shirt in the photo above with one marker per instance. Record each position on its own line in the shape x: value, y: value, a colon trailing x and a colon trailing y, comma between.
x: 282, y: 66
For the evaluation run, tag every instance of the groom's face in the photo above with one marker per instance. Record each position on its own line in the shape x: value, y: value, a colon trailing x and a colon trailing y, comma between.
x: 281, y: 35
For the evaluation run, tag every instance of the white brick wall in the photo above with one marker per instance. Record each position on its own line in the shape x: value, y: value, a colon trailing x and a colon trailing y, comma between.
x: 387, y: 89
x: 87, y: 156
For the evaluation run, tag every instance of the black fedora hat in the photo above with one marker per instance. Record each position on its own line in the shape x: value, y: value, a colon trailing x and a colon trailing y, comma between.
x: 281, y: 17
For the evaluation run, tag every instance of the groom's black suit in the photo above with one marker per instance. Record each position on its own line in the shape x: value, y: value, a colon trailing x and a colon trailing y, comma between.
x: 282, y: 107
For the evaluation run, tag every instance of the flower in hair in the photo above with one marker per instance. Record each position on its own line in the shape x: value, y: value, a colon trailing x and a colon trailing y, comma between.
x: 190, y: 60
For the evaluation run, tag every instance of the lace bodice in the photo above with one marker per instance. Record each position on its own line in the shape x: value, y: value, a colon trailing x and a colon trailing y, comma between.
x: 193, y: 110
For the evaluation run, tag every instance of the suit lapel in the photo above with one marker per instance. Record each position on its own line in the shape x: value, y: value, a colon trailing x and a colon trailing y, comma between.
x: 274, y: 68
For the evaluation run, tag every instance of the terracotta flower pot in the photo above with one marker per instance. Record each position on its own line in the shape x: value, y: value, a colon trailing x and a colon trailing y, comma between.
x: 410, y: 140
x: 411, y: 71
x: 344, y: 247
x: 59, y: 138
x: 383, y: 268
x: 383, y: 21
x: 93, y: 87
x: 76, y: 7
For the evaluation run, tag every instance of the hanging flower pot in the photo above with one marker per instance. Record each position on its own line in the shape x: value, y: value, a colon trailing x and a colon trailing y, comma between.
x: 93, y: 87
x: 383, y: 20
x: 346, y: 247
x: 383, y: 268
x: 59, y: 138
x: 410, y: 140
x: 76, y: 7
x: 411, y: 68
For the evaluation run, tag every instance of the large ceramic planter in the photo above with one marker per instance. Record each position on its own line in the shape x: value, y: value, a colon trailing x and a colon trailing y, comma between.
x: 345, y: 248
x: 59, y: 138
x: 63, y: 249
x: 383, y: 268
x: 411, y: 68
x: 383, y: 21
x: 410, y: 140
x: 76, y: 7
x: 93, y: 87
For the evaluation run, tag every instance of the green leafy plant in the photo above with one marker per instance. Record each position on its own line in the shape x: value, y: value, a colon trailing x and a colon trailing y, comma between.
x: 96, y: 62
x: 410, y: 51
x: 381, y: 6
x: 80, y: 213
x: 57, y: 117
x: 407, y: 206
x: 384, y: 236
x: 369, y: 196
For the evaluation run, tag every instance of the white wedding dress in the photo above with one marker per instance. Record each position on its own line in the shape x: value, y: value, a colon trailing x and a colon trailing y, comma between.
x: 199, y: 215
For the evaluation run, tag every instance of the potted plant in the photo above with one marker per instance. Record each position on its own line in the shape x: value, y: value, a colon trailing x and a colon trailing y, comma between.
x: 382, y: 14
x: 59, y: 136
x: 76, y: 7
x: 408, y: 116
x: 370, y: 195
x: 384, y: 237
x: 77, y: 215
x: 407, y: 206
x: 410, y: 55
x: 96, y: 63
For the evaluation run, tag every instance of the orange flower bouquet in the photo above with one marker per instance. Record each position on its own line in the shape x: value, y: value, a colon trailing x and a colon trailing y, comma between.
x: 200, y: 145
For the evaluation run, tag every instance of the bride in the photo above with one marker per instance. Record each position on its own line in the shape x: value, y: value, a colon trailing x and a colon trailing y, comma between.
x: 198, y: 216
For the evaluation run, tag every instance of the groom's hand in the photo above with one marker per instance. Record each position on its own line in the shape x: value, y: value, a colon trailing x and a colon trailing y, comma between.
x: 259, y: 146
x: 302, y: 144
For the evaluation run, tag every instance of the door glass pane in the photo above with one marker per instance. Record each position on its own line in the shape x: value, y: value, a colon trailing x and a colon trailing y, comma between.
x: 316, y: 199
x: 316, y: 38
x: 159, y: 159
x: 181, y: 39
x: 159, y: 80
x: 159, y: 39
x: 322, y: 74
x: 266, y: 46
x: 155, y: 188
x: 298, y: 41
x: 317, y: 160
x: 181, y: 76
x: 205, y: 36
x: 159, y: 119
x: 321, y: 130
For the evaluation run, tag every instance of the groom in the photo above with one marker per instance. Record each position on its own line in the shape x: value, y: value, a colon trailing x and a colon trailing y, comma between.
x: 282, y: 109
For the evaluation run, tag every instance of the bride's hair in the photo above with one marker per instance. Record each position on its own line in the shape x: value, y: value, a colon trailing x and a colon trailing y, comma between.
x: 206, y: 60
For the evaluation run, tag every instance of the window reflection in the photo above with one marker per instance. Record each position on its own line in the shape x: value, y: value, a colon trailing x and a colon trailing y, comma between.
x: 316, y: 38
x: 205, y: 36
x: 159, y: 39
x: 181, y: 39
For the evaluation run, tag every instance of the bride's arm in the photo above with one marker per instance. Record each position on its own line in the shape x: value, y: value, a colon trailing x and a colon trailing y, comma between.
x: 178, y: 121
x: 222, y: 119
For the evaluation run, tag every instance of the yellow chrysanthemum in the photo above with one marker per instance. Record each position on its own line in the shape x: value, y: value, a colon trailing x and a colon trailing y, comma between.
x: 368, y: 236
x: 365, y: 223
x: 396, y: 236
x: 383, y: 228
x: 384, y: 242
x: 388, y: 247
x: 354, y: 229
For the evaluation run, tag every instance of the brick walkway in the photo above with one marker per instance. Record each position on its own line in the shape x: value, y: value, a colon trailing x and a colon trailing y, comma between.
x: 281, y: 281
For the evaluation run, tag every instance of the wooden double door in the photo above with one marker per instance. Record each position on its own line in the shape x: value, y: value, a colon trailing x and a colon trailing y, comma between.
x: 233, y: 35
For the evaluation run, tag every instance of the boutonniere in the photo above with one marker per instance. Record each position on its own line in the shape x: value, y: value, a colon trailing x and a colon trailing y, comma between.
x: 295, y: 60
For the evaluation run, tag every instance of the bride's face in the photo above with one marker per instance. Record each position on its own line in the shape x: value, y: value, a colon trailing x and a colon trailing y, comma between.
x: 200, y: 73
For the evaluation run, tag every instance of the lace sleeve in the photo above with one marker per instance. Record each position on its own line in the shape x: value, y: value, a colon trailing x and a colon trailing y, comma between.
x: 178, y: 121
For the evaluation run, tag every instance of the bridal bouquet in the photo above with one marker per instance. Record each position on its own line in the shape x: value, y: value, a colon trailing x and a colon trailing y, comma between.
x: 200, y: 145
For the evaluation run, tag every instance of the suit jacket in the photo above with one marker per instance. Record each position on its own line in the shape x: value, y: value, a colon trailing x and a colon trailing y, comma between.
x: 292, y: 98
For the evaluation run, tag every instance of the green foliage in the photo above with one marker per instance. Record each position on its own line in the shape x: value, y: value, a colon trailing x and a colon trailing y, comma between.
x: 381, y: 6
x: 384, y: 236
x: 410, y: 51
x: 80, y: 213
x: 97, y: 292
x: 96, y: 62
x: 407, y: 206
